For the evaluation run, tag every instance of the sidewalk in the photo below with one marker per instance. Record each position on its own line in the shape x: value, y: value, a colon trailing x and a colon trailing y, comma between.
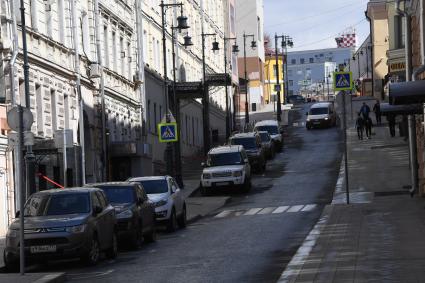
x: 379, y: 236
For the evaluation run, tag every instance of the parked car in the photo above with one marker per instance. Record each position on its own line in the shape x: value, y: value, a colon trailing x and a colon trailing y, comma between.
x: 170, y: 206
x: 321, y: 114
x: 267, y: 144
x: 275, y: 131
x: 64, y: 223
x: 226, y: 167
x: 135, y: 213
x: 252, y: 145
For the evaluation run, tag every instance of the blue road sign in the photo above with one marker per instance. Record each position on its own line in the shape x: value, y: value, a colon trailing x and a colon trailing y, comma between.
x: 343, y: 81
x: 167, y: 132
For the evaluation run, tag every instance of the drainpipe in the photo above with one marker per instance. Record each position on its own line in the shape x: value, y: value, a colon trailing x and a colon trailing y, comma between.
x: 141, y: 74
x: 78, y: 86
x: 371, y: 52
x: 105, y: 163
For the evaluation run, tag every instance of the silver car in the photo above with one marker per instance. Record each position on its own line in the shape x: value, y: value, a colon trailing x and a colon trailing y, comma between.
x: 64, y: 223
x: 170, y: 206
x: 267, y: 143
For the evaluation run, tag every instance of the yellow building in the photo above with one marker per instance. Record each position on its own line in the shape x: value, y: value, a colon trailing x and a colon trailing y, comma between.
x: 270, y: 79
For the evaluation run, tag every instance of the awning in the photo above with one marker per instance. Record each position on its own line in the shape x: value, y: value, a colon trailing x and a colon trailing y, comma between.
x: 408, y: 109
x: 407, y: 93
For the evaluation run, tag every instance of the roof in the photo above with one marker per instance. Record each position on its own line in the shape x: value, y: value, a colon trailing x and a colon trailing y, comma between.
x: 147, y: 178
x: 116, y: 184
x: 226, y: 149
x: 321, y: 104
x: 69, y: 190
x: 267, y: 123
x: 244, y: 135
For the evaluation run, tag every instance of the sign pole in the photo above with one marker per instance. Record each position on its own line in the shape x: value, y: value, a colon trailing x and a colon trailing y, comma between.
x: 344, y: 114
x: 65, y: 163
x: 21, y: 187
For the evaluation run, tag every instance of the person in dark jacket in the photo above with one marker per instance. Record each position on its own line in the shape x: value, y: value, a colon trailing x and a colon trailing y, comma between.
x: 377, y: 110
x: 365, y: 110
x: 360, y: 126
x: 391, y: 124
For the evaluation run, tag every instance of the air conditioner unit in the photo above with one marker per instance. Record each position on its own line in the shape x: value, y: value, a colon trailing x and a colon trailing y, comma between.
x: 94, y: 71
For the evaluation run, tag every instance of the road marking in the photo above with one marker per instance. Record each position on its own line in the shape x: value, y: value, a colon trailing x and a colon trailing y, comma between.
x: 267, y: 210
x: 309, y: 207
x: 252, y: 211
x: 281, y: 209
x: 224, y: 213
x: 295, y: 208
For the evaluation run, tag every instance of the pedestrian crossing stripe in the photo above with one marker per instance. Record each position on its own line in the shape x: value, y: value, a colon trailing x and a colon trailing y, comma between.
x: 343, y: 81
x: 266, y: 210
x: 167, y: 132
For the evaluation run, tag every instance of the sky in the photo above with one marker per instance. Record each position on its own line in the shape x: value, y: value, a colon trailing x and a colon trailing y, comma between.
x: 314, y: 24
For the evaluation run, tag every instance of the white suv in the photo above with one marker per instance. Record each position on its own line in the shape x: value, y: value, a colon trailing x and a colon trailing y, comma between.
x: 226, y: 166
x: 274, y: 130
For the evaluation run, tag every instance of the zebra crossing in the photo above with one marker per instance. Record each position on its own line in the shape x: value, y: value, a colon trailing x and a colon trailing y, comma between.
x: 266, y: 210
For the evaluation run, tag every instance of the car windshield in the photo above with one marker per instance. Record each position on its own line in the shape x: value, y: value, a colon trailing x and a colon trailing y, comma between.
x: 272, y: 130
x: 265, y: 137
x: 222, y: 159
x: 319, y: 111
x: 119, y: 194
x: 57, y: 204
x: 247, y: 143
x: 155, y: 186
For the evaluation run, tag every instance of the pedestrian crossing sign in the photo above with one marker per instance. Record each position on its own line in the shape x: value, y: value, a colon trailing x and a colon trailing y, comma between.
x: 167, y: 132
x: 343, y: 81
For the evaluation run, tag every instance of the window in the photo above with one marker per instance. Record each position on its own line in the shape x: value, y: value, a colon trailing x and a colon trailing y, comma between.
x: 34, y: 13
x: 95, y: 201
x: 61, y: 20
x: 86, y: 33
x: 275, y: 71
x: 311, y: 60
x: 293, y: 61
x: 106, y: 46
x: 129, y: 59
x: 302, y: 61
x: 290, y: 73
x: 154, y: 118
x: 400, y: 31
x: 149, y: 116
x: 291, y: 92
x: 39, y: 104
x: 145, y: 46
x: 290, y: 82
x: 114, y: 52
x: 53, y: 110
x: 48, y: 19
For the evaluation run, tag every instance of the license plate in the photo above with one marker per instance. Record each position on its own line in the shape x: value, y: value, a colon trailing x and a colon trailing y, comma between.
x: 43, y: 249
x: 222, y: 184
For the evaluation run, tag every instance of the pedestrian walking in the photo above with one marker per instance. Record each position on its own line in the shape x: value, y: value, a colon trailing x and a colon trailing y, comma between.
x: 359, y: 126
x: 365, y: 110
x: 391, y: 124
x: 377, y: 110
x: 368, y: 127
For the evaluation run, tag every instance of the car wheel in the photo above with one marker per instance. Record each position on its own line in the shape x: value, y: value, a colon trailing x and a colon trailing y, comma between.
x: 137, y: 238
x: 92, y: 257
x: 183, y: 218
x: 172, y: 222
x: 10, y: 266
x: 112, y: 252
x: 151, y: 236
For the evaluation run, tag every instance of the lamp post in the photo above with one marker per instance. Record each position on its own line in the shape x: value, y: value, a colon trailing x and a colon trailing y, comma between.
x: 206, y: 99
x: 286, y: 42
x: 181, y: 24
x: 177, y: 150
x: 235, y: 50
x: 253, y: 46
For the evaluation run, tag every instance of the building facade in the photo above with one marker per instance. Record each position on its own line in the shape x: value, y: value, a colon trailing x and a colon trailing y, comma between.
x: 270, y: 81
x: 311, y: 68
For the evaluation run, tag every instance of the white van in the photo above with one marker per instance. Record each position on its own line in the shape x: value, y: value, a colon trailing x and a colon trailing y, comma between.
x: 321, y: 114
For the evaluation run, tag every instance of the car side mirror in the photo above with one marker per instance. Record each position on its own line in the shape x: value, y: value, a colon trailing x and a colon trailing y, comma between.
x: 97, y: 209
x: 246, y: 160
x: 17, y: 214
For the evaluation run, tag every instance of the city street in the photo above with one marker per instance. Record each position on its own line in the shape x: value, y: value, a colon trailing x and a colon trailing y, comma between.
x: 253, y: 237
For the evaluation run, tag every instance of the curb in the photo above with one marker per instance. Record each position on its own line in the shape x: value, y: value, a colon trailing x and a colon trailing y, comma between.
x: 199, y: 216
x: 52, y: 278
x: 58, y: 277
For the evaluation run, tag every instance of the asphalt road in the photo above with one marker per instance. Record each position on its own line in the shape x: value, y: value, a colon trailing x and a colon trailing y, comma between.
x: 253, y: 237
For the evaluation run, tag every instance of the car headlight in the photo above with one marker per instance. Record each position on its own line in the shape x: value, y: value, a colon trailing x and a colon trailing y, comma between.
x: 125, y: 214
x: 11, y: 233
x: 161, y: 203
x: 206, y: 176
x: 308, y: 119
x: 76, y: 229
x: 237, y: 173
x: 326, y: 118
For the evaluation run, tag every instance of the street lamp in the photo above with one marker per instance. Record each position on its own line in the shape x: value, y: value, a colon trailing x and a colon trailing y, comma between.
x: 235, y: 50
x: 253, y: 46
x: 286, y: 42
x: 205, y: 98
x: 181, y: 24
